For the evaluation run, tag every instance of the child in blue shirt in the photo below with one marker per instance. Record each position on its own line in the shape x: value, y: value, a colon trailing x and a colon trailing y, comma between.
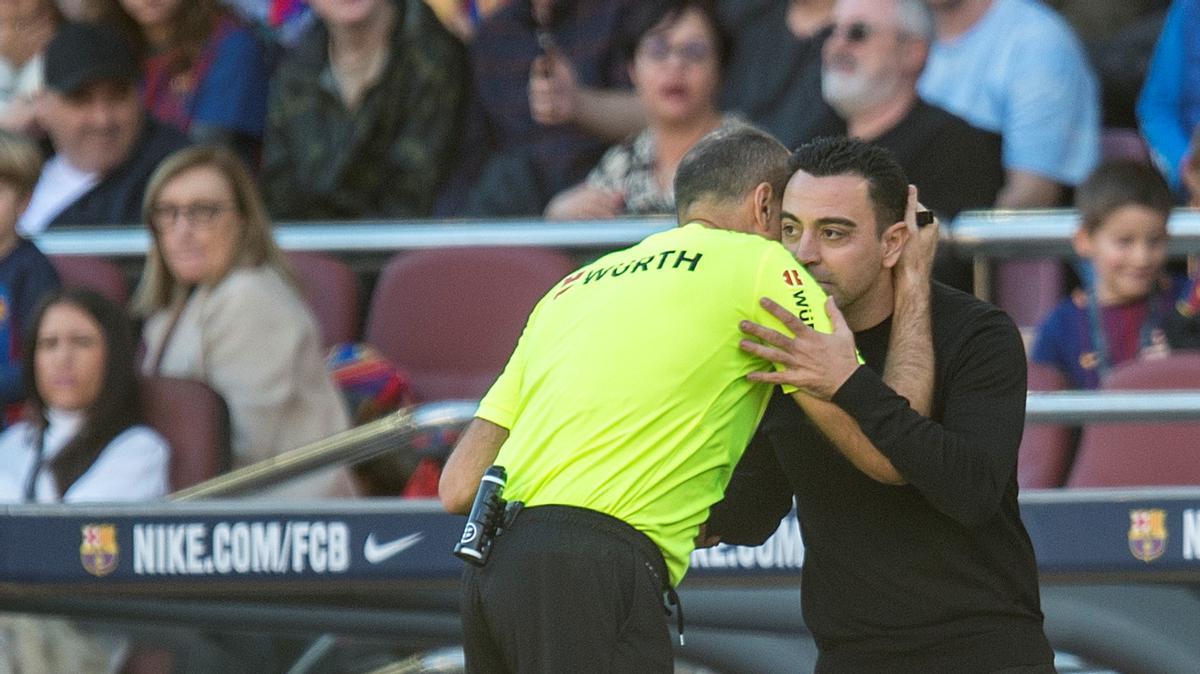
x: 1127, y: 308
x: 25, y: 273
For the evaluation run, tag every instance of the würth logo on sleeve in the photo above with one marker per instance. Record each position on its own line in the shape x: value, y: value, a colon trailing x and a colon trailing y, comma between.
x: 566, y: 283
x: 792, y: 277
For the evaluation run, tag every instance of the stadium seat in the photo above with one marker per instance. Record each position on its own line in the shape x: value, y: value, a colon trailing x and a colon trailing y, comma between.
x: 450, y: 317
x: 94, y: 273
x: 1028, y: 289
x: 1045, y: 454
x: 1142, y: 454
x: 331, y: 290
x: 194, y: 420
x: 1119, y: 143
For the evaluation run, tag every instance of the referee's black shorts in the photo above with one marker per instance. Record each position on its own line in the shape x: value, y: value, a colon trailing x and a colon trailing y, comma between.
x: 567, y: 590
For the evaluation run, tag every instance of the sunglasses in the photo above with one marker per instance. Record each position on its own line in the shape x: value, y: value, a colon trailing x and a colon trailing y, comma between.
x: 854, y: 33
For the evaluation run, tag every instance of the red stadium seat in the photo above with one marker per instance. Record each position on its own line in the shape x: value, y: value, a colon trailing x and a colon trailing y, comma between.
x: 1045, y: 454
x: 94, y: 273
x: 148, y: 659
x: 1028, y: 289
x: 194, y: 420
x: 1119, y: 143
x: 1142, y: 454
x: 450, y: 317
x: 331, y: 290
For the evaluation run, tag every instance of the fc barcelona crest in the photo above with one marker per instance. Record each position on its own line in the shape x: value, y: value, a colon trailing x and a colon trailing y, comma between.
x: 98, y: 551
x: 1147, y: 533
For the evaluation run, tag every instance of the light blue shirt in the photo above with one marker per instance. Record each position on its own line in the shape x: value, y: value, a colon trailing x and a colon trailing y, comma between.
x: 1021, y: 72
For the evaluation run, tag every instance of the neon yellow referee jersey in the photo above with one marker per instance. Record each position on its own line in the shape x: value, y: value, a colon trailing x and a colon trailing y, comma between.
x: 627, y: 392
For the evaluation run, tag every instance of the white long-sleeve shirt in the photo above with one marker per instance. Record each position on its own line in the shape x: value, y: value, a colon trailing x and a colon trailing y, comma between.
x: 133, y: 467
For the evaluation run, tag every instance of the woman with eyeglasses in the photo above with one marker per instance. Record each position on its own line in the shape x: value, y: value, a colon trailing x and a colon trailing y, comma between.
x: 223, y: 307
x: 676, y: 58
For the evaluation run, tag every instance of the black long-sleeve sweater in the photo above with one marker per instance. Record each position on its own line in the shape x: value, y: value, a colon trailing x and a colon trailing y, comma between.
x: 939, y: 574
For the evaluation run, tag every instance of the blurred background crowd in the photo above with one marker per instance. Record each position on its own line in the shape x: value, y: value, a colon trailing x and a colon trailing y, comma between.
x: 206, y: 120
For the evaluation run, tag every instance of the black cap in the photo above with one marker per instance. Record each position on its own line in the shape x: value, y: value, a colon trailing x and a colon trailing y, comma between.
x: 82, y: 53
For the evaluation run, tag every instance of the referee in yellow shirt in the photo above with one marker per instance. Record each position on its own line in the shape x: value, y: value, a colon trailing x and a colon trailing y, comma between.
x: 619, y: 419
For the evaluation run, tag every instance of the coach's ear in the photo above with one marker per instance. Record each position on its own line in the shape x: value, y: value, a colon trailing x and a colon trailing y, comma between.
x: 892, y: 242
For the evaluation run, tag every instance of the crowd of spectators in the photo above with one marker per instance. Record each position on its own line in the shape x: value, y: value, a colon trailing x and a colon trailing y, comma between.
x: 567, y: 109
x: 416, y: 108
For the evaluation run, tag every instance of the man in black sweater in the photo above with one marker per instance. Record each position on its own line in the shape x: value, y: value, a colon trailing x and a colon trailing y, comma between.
x: 916, y: 557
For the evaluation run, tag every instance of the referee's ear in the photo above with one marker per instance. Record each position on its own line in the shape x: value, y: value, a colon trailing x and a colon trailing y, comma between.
x: 766, y: 211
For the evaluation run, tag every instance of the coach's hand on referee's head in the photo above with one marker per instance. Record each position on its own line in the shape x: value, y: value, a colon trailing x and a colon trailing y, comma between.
x: 816, y: 362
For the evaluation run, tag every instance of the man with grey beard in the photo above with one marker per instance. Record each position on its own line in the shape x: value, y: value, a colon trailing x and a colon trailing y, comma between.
x: 870, y: 66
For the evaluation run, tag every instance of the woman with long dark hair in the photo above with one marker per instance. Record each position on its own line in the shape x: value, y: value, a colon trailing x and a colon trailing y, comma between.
x: 83, y: 440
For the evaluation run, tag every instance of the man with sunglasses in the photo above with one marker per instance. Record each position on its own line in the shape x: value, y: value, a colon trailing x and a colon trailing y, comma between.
x: 870, y: 66
x: 918, y: 562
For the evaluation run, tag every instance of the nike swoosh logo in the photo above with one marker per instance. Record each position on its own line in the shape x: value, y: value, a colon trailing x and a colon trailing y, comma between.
x: 375, y: 553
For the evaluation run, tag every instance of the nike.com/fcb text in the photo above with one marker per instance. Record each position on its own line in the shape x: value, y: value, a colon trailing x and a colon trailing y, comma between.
x: 241, y: 547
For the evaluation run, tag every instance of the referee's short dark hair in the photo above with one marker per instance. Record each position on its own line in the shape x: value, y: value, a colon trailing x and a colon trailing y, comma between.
x: 887, y: 185
x: 727, y: 164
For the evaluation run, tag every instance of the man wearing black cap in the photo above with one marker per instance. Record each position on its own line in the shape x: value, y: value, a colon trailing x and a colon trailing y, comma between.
x: 105, y: 144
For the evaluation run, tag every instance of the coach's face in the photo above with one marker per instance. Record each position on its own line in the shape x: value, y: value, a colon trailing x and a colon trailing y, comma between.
x: 829, y: 224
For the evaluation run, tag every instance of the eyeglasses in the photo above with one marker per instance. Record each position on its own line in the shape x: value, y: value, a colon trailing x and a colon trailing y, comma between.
x: 165, y: 218
x: 855, y: 33
x: 658, y: 50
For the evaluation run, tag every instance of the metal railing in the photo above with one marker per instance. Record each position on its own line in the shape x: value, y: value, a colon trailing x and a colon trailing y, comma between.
x: 395, y: 431
x: 390, y: 433
x: 1032, y: 233
x: 1089, y: 407
x: 1047, y: 233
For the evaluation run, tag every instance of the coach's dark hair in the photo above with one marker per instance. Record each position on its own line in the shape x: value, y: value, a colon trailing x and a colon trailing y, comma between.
x: 1119, y: 183
x: 647, y: 15
x: 839, y: 155
x: 726, y: 164
x: 117, y: 407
